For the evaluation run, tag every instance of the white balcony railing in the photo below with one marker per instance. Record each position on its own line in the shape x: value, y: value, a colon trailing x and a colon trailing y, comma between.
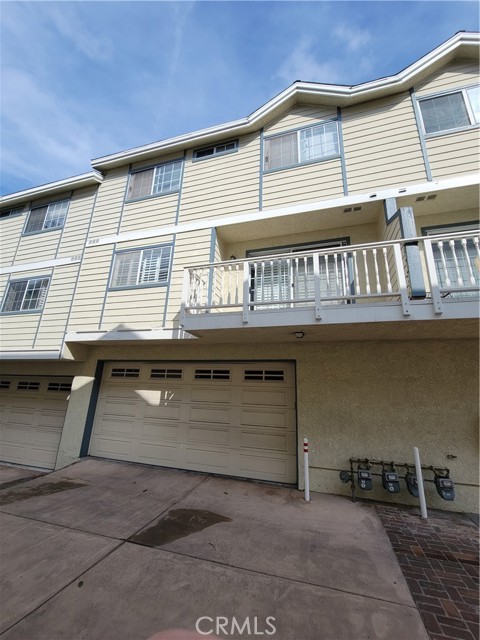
x: 430, y: 268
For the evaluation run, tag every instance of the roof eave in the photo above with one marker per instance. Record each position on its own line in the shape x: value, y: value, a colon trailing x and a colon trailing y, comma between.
x: 462, y: 43
x: 68, y: 184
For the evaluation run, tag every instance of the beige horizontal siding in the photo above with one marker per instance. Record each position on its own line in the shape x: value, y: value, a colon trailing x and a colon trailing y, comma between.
x: 455, y: 75
x: 454, y: 154
x: 91, y: 287
x: 57, y: 306
x: 357, y: 234
x: 140, y: 308
x: 109, y: 203
x: 468, y: 216
x: 144, y: 242
x: 76, y: 224
x: 300, y: 116
x: 10, y: 232
x: 38, y: 247
x: 305, y: 183
x: 158, y: 160
x: 18, y: 331
x: 190, y: 249
x: 382, y: 145
x: 222, y: 185
x: 149, y: 213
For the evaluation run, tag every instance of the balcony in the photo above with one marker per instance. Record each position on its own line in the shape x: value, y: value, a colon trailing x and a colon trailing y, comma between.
x: 415, y: 279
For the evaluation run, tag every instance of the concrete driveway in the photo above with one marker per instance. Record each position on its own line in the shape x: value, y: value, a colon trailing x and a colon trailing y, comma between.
x: 109, y: 550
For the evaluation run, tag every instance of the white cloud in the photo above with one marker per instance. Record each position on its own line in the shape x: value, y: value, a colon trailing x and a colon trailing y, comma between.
x: 302, y: 64
x: 353, y: 38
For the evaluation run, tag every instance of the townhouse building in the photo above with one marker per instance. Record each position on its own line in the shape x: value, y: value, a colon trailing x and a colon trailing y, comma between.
x: 208, y: 301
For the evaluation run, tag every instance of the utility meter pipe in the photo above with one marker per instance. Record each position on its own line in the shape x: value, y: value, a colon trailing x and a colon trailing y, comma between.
x: 421, y: 488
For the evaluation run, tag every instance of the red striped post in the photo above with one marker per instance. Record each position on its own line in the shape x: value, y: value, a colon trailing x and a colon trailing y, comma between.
x: 306, y: 470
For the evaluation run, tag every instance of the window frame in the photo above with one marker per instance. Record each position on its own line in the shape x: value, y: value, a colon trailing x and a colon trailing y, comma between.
x: 14, y: 212
x: 45, y: 229
x: 297, y: 131
x: 158, y: 194
x: 216, y: 153
x: 146, y: 285
x: 27, y: 280
x: 463, y: 91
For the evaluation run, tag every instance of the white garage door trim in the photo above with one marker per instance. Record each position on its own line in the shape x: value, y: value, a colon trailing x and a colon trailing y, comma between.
x: 230, y: 418
x: 33, y: 411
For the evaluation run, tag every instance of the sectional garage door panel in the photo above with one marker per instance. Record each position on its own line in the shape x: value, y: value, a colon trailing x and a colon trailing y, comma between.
x: 32, y: 416
x: 230, y: 418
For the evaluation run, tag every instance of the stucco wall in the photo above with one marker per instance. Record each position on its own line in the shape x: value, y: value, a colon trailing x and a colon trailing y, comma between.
x: 360, y: 399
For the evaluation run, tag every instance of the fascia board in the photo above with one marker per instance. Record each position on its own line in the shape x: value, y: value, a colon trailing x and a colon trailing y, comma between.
x: 76, y: 182
x: 340, y: 95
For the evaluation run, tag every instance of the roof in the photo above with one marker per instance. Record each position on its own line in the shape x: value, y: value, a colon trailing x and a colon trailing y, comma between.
x: 52, y: 188
x: 461, y: 44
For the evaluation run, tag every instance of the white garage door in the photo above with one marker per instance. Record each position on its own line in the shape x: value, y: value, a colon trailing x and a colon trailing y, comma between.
x: 230, y: 418
x: 32, y: 416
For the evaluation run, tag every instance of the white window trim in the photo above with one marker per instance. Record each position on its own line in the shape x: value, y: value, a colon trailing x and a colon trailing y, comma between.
x: 215, y: 152
x: 463, y: 90
x: 139, y: 285
x: 45, y: 229
x: 27, y: 280
x: 297, y: 132
x: 158, y: 193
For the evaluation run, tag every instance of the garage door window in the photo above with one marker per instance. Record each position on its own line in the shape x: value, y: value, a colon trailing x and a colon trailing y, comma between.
x: 170, y: 374
x: 212, y: 374
x: 125, y: 373
x: 4, y: 384
x: 265, y: 375
x: 59, y: 386
x: 25, y: 385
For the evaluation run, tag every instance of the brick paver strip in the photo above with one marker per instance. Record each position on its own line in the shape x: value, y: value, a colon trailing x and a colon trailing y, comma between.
x: 439, y: 559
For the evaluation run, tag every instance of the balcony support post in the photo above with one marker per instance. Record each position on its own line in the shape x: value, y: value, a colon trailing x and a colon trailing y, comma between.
x: 318, y: 292
x: 246, y: 291
x: 412, y: 254
x: 185, y: 295
x: 432, y: 276
x: 402, y: 281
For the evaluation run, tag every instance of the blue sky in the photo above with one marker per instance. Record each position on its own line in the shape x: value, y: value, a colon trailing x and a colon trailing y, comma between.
x: 84, y: 79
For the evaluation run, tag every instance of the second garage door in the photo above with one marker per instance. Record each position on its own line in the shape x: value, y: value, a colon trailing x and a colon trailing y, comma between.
x: 32, y: 411
x: 235, y: 419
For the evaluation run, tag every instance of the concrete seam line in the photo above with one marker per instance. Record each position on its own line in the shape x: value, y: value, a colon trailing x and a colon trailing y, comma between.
x: 62, y: 526
x: 54, y: 595
x: 274, y: 575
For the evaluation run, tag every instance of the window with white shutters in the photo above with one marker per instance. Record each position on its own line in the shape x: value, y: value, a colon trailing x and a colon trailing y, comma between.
x: 141, y: 267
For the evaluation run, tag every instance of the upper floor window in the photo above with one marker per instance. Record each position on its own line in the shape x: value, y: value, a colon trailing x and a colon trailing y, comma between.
x: 451, y: 111
x: 216, y: 150
x: 155, y: 181
x: 50, y: 216
x: 10, y: 213
x: 141, y: 267
x: 304, y: 145
x: 26, y: 295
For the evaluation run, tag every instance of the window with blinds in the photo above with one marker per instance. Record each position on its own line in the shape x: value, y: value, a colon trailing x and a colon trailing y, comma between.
x: 305, y: 145
x: 451, y: 111
x: 164, y: 178
x: 26, y: 295
x: 49, y: 217
x: 141, y: 267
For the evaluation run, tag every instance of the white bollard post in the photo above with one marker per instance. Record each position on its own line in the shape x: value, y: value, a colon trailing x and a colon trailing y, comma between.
x: 421, y: 488
x: 306, y: 470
